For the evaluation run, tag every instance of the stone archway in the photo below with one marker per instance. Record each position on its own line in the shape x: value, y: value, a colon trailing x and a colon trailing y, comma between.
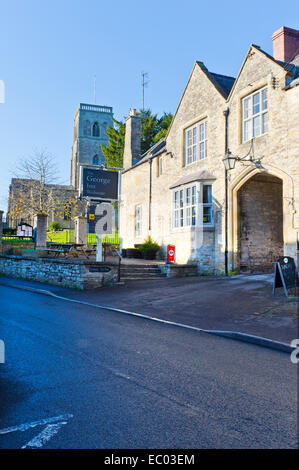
x: 259, y: 223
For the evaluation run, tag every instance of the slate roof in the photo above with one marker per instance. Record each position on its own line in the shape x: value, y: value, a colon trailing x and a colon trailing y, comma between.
x: 159, y: 147
x: 197, y: 176
x: 224, y: 81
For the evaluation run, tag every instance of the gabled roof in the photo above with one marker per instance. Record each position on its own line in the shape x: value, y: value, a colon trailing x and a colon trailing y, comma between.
x: 222, y: 83
x: 256, y: 49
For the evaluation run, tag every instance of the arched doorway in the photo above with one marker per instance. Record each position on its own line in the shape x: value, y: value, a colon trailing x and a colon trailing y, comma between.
x: 259, y: 223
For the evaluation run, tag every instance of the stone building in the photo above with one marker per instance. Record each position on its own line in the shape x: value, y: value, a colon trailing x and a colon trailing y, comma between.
x: 65, y: 198
x: 180, y: 193
x: 90, y: 126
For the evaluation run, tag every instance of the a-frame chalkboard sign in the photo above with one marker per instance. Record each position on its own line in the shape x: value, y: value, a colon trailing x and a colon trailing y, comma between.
x: 285, y: 274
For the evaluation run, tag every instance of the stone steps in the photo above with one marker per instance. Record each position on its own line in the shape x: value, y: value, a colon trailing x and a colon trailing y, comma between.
x: 140, y: 272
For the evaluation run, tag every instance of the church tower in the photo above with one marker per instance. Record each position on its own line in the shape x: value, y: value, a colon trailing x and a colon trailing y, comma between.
x: 90, y: 125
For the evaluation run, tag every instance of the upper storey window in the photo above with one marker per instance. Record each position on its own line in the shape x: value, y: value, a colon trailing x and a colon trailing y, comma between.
x: 96, y: 130
x: 255, y: 115
x: 86, y: 128
x: 196, y: 142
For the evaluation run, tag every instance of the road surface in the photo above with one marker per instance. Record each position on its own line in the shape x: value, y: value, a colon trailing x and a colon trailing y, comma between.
x: 80, y: 377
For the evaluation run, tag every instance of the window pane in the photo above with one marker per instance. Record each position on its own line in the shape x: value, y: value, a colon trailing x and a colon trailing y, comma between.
x: 202, y: 131
x: 247, y: 130
x: 188, y: 216
x: 256, y: 103
x: 194, y: 153
x: 194, y: 135
x: 207, y: 215
x: 265, y: 99
x: 188, y: 196
x: 181, y: 198
x: 207, y: 194
x: 256, y: 126
x: 265, y: 123
x: 193, y: 215
x: 181, y: 217
x: 202, y: 151
x: 193, y: 195
x: 247, y: 107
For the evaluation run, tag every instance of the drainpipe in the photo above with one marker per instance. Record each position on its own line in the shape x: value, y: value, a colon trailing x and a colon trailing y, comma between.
x: 150, y: 198
x: 226, y: 113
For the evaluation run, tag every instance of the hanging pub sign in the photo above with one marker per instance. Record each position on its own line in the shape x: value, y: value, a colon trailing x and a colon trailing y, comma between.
x: 285, y: 274
x: 99, y: 184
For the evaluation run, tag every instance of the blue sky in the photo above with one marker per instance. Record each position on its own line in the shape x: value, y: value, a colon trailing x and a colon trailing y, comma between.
x: 51, y: 50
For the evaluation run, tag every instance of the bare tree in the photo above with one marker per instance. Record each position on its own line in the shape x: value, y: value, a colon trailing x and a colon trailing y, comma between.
x: 40, y: 172
x: 36, y: 190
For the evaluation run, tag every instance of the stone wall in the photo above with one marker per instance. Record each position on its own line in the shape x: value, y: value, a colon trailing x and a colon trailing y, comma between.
x: 175, y: 270
x: 16, y: 247
x: 78, y: 274
x: 261, y: 237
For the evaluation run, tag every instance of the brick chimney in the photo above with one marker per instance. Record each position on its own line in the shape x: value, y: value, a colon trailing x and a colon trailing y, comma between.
x: 132, y: 139
x: 285, y: 44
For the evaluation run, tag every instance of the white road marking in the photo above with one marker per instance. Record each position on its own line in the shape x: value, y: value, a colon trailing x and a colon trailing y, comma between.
x: 43, y: 437
x: 33, y: 424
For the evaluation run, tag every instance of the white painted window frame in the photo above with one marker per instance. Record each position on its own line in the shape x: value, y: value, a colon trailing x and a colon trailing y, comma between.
x: 195, y: 142
x: 250, y: 117
x: 188, y: 206
x: 138, y: 220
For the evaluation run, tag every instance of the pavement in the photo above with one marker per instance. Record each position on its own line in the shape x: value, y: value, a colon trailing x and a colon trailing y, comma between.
x: 242, y: 303
x: 78, y: 377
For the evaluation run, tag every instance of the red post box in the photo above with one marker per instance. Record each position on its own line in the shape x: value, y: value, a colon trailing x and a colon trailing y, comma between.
x: 170, y: 253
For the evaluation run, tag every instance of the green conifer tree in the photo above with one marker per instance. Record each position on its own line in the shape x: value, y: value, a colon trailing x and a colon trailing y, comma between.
x: 152, y: 130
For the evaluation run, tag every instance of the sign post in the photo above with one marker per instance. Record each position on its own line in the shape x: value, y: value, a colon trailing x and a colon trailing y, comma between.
x: 100, y: 187
x: 99, y: 253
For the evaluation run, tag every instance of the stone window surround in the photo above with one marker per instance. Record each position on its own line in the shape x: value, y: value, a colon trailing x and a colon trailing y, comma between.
x: 199, y: 194
x: 102, y: 129
x: 246, y: 91
x: 199, y: 142
x: 190, y: 123
x: 259, y: 114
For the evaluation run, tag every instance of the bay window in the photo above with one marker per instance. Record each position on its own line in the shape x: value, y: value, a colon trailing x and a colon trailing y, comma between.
x: 193, y: 206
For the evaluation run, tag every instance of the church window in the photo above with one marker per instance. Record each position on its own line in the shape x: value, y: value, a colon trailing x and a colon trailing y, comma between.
x: 86, y: 127
x: 96, y: 130
x: 95, y: 160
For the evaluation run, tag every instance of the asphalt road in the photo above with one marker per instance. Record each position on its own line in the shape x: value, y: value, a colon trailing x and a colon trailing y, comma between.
x: 79, y: 377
